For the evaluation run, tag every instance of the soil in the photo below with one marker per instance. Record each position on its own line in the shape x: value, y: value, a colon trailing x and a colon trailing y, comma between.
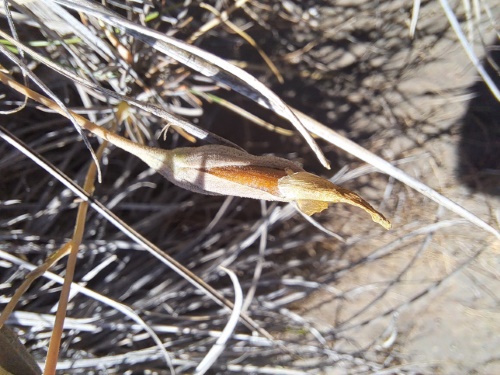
x: 450, y: 140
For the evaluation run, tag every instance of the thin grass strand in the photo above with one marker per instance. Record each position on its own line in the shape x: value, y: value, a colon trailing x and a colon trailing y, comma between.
x: 219, y: 346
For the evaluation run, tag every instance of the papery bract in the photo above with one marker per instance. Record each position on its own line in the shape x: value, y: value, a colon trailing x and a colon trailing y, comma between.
x: 313, y: 193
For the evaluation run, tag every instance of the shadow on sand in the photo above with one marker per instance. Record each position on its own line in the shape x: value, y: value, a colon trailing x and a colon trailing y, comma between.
x: 479, y: 148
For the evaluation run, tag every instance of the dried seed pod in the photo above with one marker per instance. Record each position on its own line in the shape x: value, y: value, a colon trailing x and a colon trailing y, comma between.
x: 222, y: 170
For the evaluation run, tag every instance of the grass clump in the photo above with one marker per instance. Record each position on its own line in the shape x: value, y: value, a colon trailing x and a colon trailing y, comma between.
x: 161, y: 279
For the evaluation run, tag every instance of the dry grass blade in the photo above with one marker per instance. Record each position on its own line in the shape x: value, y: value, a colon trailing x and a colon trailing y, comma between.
x: 216, y: 21
x: 250, y: 41
x: 15, y: 37
x: 414, y: 17
x: 58, y: 21
x: 468, y: 48
x: 216, y: 350
x: 245, y: 114
x: 49, y: 92
x: 30, y: 278
x: 55, y: 341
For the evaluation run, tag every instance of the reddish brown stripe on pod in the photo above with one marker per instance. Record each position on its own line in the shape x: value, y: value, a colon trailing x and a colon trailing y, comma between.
x: 262, y: 178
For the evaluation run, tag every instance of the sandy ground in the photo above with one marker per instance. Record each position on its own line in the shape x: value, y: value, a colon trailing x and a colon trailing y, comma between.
x: 454, y: 328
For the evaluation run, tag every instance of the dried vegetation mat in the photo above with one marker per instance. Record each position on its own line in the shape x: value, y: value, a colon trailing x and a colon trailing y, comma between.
x: 160, y: 162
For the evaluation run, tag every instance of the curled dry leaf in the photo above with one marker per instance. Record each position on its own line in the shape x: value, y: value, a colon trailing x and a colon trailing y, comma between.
x: 222, y: 170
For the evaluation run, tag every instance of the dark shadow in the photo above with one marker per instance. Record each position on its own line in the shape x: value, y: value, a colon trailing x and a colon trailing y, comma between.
x: 479, y: 148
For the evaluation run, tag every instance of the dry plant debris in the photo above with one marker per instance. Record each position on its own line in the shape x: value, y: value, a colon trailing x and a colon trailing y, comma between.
x: 230, y: 285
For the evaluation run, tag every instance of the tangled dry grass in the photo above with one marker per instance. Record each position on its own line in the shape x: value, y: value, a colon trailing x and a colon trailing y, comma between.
x: 336, y: 295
